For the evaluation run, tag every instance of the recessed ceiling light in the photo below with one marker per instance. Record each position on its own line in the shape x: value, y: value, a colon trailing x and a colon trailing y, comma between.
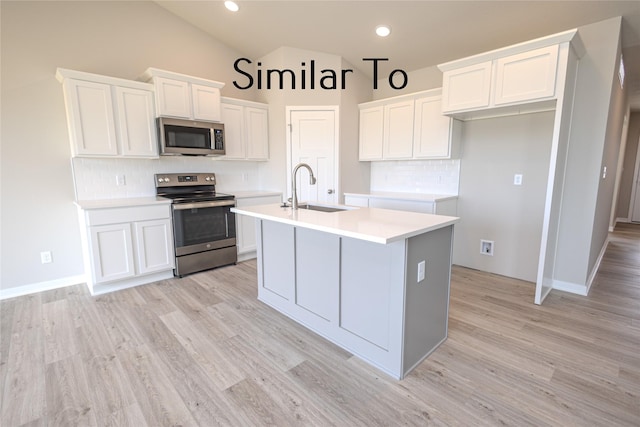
x: 231, y: 5
x: 383, y: 30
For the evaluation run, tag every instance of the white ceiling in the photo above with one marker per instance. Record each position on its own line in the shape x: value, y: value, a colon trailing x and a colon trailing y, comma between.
x: 424, y: 33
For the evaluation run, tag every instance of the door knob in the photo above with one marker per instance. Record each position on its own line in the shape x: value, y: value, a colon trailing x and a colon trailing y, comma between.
x: 329, y: 191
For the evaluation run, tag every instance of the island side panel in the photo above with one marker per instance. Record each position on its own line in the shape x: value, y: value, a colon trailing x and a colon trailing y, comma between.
x: 427, y: 301
x: 317, y: 273
x: 372, y: 301
x: 276, y: 252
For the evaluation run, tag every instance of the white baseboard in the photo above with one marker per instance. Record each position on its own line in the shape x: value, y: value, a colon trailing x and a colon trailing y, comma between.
x: 596, y: 266
x: 247, y: 256
x: 573, y: 288
x: 33, y: 288
x: 578, y: 288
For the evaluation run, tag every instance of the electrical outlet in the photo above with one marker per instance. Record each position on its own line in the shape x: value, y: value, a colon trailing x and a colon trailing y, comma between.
x: 517, y: 179
x: 422, y: 265
x: 45, y: 257
x: 486, y: 247
x: 121, y: 180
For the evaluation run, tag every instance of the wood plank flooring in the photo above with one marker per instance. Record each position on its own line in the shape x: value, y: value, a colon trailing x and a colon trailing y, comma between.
x: 202, y: 351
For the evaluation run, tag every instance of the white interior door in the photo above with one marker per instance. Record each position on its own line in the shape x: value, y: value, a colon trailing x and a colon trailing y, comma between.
x: 313, y: 140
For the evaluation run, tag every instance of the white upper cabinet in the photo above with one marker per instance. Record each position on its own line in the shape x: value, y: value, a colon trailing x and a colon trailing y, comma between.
x: 206, y: 103
x: 185, y: 97
x: 515, y: 79
x: 433, y: 133
x: 173, y: 97
x: 466, y: 87
x: 527, y: 76
x: 246, y: 127
x: 136, y: 119
x: 257, y: 132
x: 109, y: 117
x: 398, y: 130
x: 371, y: 132
x: 406, y: 127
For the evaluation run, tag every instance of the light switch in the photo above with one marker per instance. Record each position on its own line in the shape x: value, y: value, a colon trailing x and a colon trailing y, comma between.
x: 421, y: 270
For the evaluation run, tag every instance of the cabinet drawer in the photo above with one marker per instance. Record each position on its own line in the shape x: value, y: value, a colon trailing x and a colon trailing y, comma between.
x: 127, y: 214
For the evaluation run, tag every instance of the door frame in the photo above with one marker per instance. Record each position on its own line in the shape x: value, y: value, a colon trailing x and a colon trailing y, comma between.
x: 635, y: 188
x: 336, y: 144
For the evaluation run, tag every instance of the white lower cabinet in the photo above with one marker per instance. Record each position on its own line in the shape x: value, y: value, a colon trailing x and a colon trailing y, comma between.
x: 111, y: 252
x: 126, y: 246
x: 246, y: 226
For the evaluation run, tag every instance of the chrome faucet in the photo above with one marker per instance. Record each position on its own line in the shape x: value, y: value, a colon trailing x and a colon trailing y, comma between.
x: 312, y: 181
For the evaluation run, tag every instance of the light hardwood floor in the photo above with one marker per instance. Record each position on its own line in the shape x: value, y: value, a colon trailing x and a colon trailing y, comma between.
x: 203, y: 351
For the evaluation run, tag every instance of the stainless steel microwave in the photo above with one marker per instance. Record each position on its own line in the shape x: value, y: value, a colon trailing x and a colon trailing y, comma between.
x: 190, y: 137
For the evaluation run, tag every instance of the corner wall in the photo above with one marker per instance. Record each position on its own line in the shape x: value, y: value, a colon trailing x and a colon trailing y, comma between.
x: 582, y: 230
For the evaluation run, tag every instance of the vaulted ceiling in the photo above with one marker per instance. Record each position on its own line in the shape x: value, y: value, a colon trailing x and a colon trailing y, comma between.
x: 424, y: 33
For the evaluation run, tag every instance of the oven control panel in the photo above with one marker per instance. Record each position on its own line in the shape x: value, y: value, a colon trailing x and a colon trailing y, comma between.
x: 178, y: 179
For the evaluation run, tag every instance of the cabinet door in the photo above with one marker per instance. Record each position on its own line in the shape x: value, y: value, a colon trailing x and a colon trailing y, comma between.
x: 136, y: 122
x: 371, y: 133
x: 233, y: 119
x: 111, y: 252
x: 206, y: 103
x: 257, y: 133
x: 154, y: 245
x: 432, y: 130
x: 527, y: 76
x: 174, y: 98
x: 91, y: 119
x: 398, y: 130
x: 466, y: 88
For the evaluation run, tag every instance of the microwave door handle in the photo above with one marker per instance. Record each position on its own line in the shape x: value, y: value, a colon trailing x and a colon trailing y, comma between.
x: 212, y: 138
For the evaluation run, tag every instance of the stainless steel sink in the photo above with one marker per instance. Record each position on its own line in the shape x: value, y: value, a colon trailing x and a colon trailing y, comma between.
x: 322, y: 208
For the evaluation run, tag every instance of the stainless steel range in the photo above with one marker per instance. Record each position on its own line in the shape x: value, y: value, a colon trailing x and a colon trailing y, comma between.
x: 204, y: 228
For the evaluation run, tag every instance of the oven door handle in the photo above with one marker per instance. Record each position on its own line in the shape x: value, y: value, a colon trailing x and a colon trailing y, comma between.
x: 198, y: 205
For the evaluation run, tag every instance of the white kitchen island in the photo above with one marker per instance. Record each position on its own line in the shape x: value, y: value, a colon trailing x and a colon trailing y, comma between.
x: 354, y: 277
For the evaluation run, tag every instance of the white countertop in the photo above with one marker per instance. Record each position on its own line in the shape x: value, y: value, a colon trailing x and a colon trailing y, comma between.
x: 422, y: 197
x: 371, y: 224
x: 121, y: 203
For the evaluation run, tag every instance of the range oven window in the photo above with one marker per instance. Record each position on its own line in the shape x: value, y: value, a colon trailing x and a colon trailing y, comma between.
x: 198, y: 225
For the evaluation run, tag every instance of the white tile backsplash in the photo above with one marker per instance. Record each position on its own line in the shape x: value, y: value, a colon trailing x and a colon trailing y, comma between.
x: 96, y: 178
x: 416, y: 176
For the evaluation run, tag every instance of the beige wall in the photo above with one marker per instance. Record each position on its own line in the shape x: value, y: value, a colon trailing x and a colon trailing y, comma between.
x: 490, y: 206
x: 580, y: 234
x: 119, y: 39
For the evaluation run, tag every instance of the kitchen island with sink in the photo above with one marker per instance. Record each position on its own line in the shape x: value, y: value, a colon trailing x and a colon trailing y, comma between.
x: 373, y: 281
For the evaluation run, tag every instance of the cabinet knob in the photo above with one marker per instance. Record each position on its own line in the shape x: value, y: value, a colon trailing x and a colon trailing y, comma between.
x: 329, y: 191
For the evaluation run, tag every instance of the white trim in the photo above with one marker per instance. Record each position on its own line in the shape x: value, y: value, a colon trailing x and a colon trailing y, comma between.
x: 33, y: 288
x: 577, y: 288
x: 596, y: 266
x: 574, y: 288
